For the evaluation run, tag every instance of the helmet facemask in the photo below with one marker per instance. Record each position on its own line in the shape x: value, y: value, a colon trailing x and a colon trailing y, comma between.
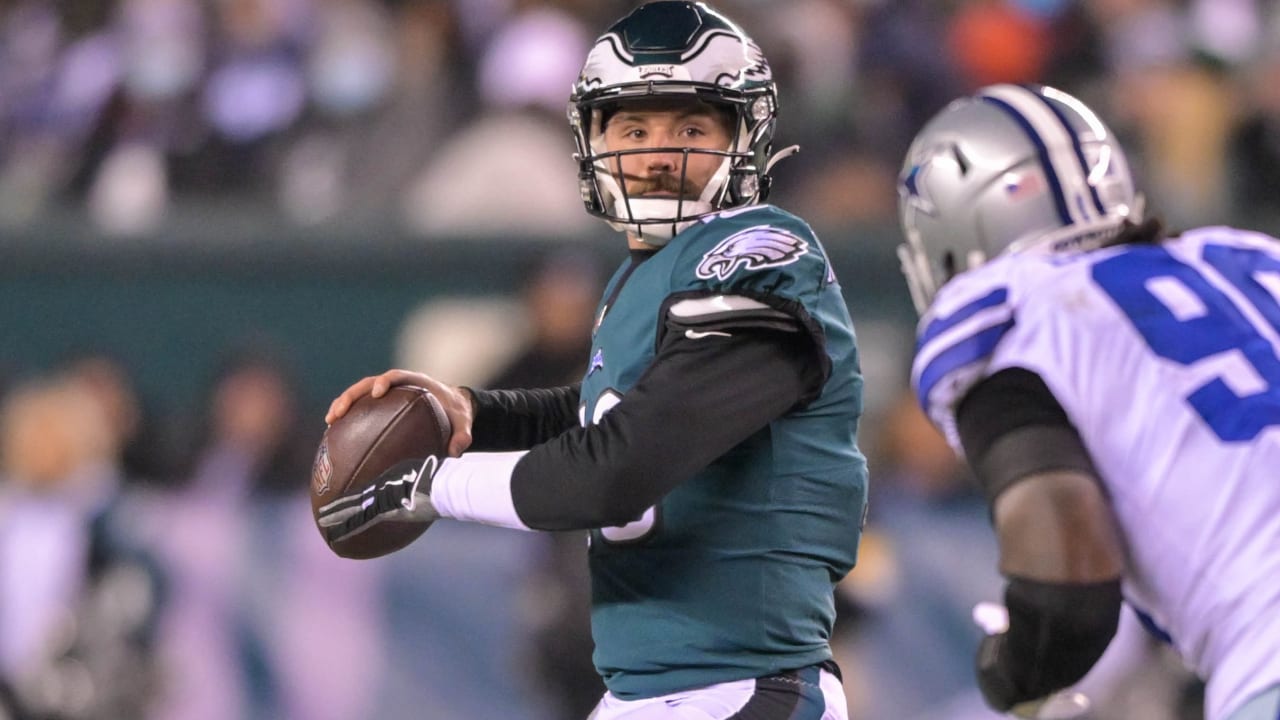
x: 682, y: 53
x: 734, y: 181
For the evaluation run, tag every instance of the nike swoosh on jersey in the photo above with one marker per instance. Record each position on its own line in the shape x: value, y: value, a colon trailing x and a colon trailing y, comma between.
x: 696, y: 335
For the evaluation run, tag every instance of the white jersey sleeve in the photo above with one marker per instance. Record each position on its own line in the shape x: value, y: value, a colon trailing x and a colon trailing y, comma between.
x: 1166, y: 358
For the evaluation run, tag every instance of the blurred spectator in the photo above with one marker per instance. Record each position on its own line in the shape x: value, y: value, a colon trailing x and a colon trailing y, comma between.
x: 1255, y: 142
x: 500, y: 616
x: 254, y: 93
x: 903, y: 76
x: 813, y: 49
x: 929, y: 560
x: 258, y: 603
x: 560, y: 298
x: 385, y: 85
x: 511, y: 171
x: 154, y: 55
x: 58, y: 68
x: 1182, y: 116
x: 1170, y: 99
x: 143, y: 456
x: 79, y: 598
x: 906, y: 74
x: 830, y: 107
x: 454, y: 600
x: 995, y: 41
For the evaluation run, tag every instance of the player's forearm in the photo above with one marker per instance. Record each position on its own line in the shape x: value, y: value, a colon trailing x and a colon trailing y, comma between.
x: 520, y: 419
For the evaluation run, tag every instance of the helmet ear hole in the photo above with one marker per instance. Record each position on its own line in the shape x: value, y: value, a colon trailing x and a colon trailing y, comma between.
x: 949, y: 266
x: 962, y: 162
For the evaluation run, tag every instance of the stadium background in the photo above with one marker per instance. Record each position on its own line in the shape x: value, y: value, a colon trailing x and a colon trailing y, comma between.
x: 327, y: 180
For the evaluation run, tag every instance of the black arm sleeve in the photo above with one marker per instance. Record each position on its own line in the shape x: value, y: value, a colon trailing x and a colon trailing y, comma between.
x: 520, y: 419
x: 698, y: 399
x: 1012, y: 427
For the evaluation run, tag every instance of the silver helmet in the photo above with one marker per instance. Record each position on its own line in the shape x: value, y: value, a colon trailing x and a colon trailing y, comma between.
x: 684, y: 50
x: 1009, y: 169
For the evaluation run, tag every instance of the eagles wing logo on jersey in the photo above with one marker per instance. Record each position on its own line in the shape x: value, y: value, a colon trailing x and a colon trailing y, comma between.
x: 752, y: 249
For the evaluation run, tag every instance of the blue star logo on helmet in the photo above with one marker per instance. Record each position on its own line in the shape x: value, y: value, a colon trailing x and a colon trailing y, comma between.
x: 913, y: 185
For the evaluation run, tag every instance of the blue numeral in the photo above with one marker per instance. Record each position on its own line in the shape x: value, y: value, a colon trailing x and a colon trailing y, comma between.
x: 1222, y: 327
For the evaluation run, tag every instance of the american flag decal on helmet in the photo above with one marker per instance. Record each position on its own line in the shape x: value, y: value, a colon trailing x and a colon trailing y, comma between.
x: 751, y: 249
x: 321, y: 470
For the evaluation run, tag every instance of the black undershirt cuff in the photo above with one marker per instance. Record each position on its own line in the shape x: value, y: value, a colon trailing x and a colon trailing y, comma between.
x: 1012, y: 427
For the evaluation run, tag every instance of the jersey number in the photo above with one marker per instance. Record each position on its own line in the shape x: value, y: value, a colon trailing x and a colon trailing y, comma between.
x: 1210, y: 324
x: 635, y: 530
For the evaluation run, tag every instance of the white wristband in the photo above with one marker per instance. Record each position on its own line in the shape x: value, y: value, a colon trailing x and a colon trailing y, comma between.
x: 477, y: 488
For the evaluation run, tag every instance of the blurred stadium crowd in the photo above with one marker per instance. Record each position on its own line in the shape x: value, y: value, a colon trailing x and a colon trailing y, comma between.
x: 182, y: 579
x: 428, y: 112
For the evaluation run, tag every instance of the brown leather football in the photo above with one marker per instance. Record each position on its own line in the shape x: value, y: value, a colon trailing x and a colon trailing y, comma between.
x: 375, y: 434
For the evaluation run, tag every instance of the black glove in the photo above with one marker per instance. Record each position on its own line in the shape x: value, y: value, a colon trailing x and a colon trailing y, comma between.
x: 402, y: 493
x: 998, y: 689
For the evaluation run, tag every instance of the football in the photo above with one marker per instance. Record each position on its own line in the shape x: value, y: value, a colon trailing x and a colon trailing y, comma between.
x: 374, y: 435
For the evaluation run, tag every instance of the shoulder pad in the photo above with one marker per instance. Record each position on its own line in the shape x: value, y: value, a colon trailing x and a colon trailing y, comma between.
x: 957, y: 339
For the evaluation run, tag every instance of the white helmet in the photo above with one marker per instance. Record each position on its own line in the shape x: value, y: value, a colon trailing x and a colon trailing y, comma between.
x: 685, y: 50
x: 1009, y: 169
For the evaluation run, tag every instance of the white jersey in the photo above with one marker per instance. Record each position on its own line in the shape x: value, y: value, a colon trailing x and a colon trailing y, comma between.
x: 1166, y: 358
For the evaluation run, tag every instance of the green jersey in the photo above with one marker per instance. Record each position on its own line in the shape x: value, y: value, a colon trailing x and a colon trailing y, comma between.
x: 731, y: 574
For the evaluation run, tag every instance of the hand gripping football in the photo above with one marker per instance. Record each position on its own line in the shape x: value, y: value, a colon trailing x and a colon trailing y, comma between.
x: 376, y: 434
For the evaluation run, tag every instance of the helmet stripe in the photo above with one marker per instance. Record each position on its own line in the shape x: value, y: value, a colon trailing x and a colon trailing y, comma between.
x: 1054, y: 145
x: 1059, y: 200
x: 1077, y: 146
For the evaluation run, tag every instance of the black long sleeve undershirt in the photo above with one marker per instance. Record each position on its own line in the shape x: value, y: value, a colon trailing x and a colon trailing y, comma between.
x: 520, y: 419
x: 698, y: 399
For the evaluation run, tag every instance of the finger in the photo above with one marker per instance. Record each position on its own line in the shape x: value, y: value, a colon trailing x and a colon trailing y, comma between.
x: 347, y: 398
x: 459, y: 441
x: 337, y: 518
x: 345, y: 502
x: 337, y: 409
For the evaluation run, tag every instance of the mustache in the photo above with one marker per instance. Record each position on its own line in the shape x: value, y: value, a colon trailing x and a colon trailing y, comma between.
x: 663, y: 183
